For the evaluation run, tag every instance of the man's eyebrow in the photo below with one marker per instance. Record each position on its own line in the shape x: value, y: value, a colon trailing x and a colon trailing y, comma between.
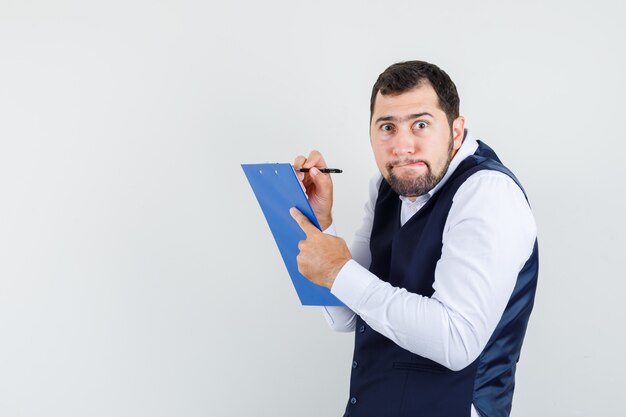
x: 409, y: 117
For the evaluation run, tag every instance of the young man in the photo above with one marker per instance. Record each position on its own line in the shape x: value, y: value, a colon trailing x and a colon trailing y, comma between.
x: 440, y: 281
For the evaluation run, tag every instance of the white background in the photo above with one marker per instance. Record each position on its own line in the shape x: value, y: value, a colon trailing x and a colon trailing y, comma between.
x: 137, y: 275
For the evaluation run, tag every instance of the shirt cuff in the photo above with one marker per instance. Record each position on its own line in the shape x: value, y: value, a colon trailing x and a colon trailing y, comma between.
x: 351, y: 283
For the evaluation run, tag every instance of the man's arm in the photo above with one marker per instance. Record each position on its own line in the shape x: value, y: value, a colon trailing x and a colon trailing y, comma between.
x: 342, y: 319
x: 488, y: 236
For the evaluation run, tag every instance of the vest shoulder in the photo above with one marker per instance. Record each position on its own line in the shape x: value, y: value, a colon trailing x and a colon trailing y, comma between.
x: 484, y: 158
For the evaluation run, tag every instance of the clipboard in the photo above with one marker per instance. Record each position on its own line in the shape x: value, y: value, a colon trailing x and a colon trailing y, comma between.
x: 277, y: 189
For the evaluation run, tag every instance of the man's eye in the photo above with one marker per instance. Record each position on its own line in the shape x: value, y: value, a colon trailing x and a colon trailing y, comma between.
x: 386, y: 128
x: 421, y: 125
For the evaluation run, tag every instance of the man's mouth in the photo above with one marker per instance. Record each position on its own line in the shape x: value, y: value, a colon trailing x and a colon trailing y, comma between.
x: 418, y: 163
x: 415, y: 164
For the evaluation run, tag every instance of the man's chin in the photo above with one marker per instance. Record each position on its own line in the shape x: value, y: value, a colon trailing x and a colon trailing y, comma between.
x: 410, y: 185
x: 408, y: 176
x: 403, y: 188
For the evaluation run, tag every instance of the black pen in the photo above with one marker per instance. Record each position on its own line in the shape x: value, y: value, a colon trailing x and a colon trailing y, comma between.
x: 322, y: 170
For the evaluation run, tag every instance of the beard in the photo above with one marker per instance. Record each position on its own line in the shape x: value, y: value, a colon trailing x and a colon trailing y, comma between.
x: 420, y: 184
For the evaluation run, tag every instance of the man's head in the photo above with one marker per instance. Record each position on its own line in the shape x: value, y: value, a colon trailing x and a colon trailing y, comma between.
x: 415, y: 127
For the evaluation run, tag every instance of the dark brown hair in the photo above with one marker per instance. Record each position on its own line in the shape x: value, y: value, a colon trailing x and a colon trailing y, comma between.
x: 405, y: 76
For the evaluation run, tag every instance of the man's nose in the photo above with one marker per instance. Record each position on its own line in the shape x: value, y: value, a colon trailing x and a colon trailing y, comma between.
x: 404, y: 144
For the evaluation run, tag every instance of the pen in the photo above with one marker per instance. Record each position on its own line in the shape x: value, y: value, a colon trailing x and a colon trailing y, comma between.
x: 323, y: 170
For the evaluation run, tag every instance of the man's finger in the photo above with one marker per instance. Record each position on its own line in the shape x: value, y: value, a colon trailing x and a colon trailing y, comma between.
x: 299, y: 161
x: 304, y: 223
x: 315, y: 159
x: 297, y: 164
x: 323, y: 181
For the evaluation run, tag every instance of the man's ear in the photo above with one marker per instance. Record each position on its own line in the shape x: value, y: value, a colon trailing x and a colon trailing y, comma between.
x: 458, y: 131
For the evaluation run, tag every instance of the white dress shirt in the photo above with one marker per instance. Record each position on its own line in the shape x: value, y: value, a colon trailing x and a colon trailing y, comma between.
x: 488, y: 236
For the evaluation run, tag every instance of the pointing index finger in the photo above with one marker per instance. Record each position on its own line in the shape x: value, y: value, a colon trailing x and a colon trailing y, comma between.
x: 304, y: 223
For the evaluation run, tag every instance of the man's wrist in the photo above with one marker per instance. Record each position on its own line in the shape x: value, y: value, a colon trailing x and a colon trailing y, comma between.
x: 330, y: 230
x: 331, y: 279
x: 325, y: 222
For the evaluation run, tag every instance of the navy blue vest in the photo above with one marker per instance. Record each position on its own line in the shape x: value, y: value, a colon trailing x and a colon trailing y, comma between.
x: 388, y: 380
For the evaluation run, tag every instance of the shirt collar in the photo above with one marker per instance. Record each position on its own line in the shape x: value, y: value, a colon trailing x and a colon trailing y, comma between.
x: 468, y: 147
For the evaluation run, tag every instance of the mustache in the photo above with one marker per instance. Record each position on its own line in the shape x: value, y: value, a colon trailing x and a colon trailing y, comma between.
x: 406, y: 161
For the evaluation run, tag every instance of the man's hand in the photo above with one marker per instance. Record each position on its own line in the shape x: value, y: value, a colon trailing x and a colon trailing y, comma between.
x: 317, y: 186
x: 321, y: 256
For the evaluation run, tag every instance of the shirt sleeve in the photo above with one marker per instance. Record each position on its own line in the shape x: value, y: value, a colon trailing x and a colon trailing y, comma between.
x: 488, y: 236
x: 343, y: 319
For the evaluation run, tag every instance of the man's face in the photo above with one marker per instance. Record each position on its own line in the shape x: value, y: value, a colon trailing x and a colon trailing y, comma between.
x: 412, y: 140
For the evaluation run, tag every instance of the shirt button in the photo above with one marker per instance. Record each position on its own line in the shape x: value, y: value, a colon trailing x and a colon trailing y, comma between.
x: 354, y: 364
x: 361, y: 329
x: 353, y: 400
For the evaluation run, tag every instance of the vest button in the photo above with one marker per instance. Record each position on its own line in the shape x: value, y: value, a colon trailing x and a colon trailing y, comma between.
x: 354, y: 364
x: 361, y: 329
x: 353, y: 400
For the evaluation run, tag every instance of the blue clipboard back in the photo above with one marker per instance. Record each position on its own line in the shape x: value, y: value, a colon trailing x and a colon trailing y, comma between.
x: 277, y: 189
